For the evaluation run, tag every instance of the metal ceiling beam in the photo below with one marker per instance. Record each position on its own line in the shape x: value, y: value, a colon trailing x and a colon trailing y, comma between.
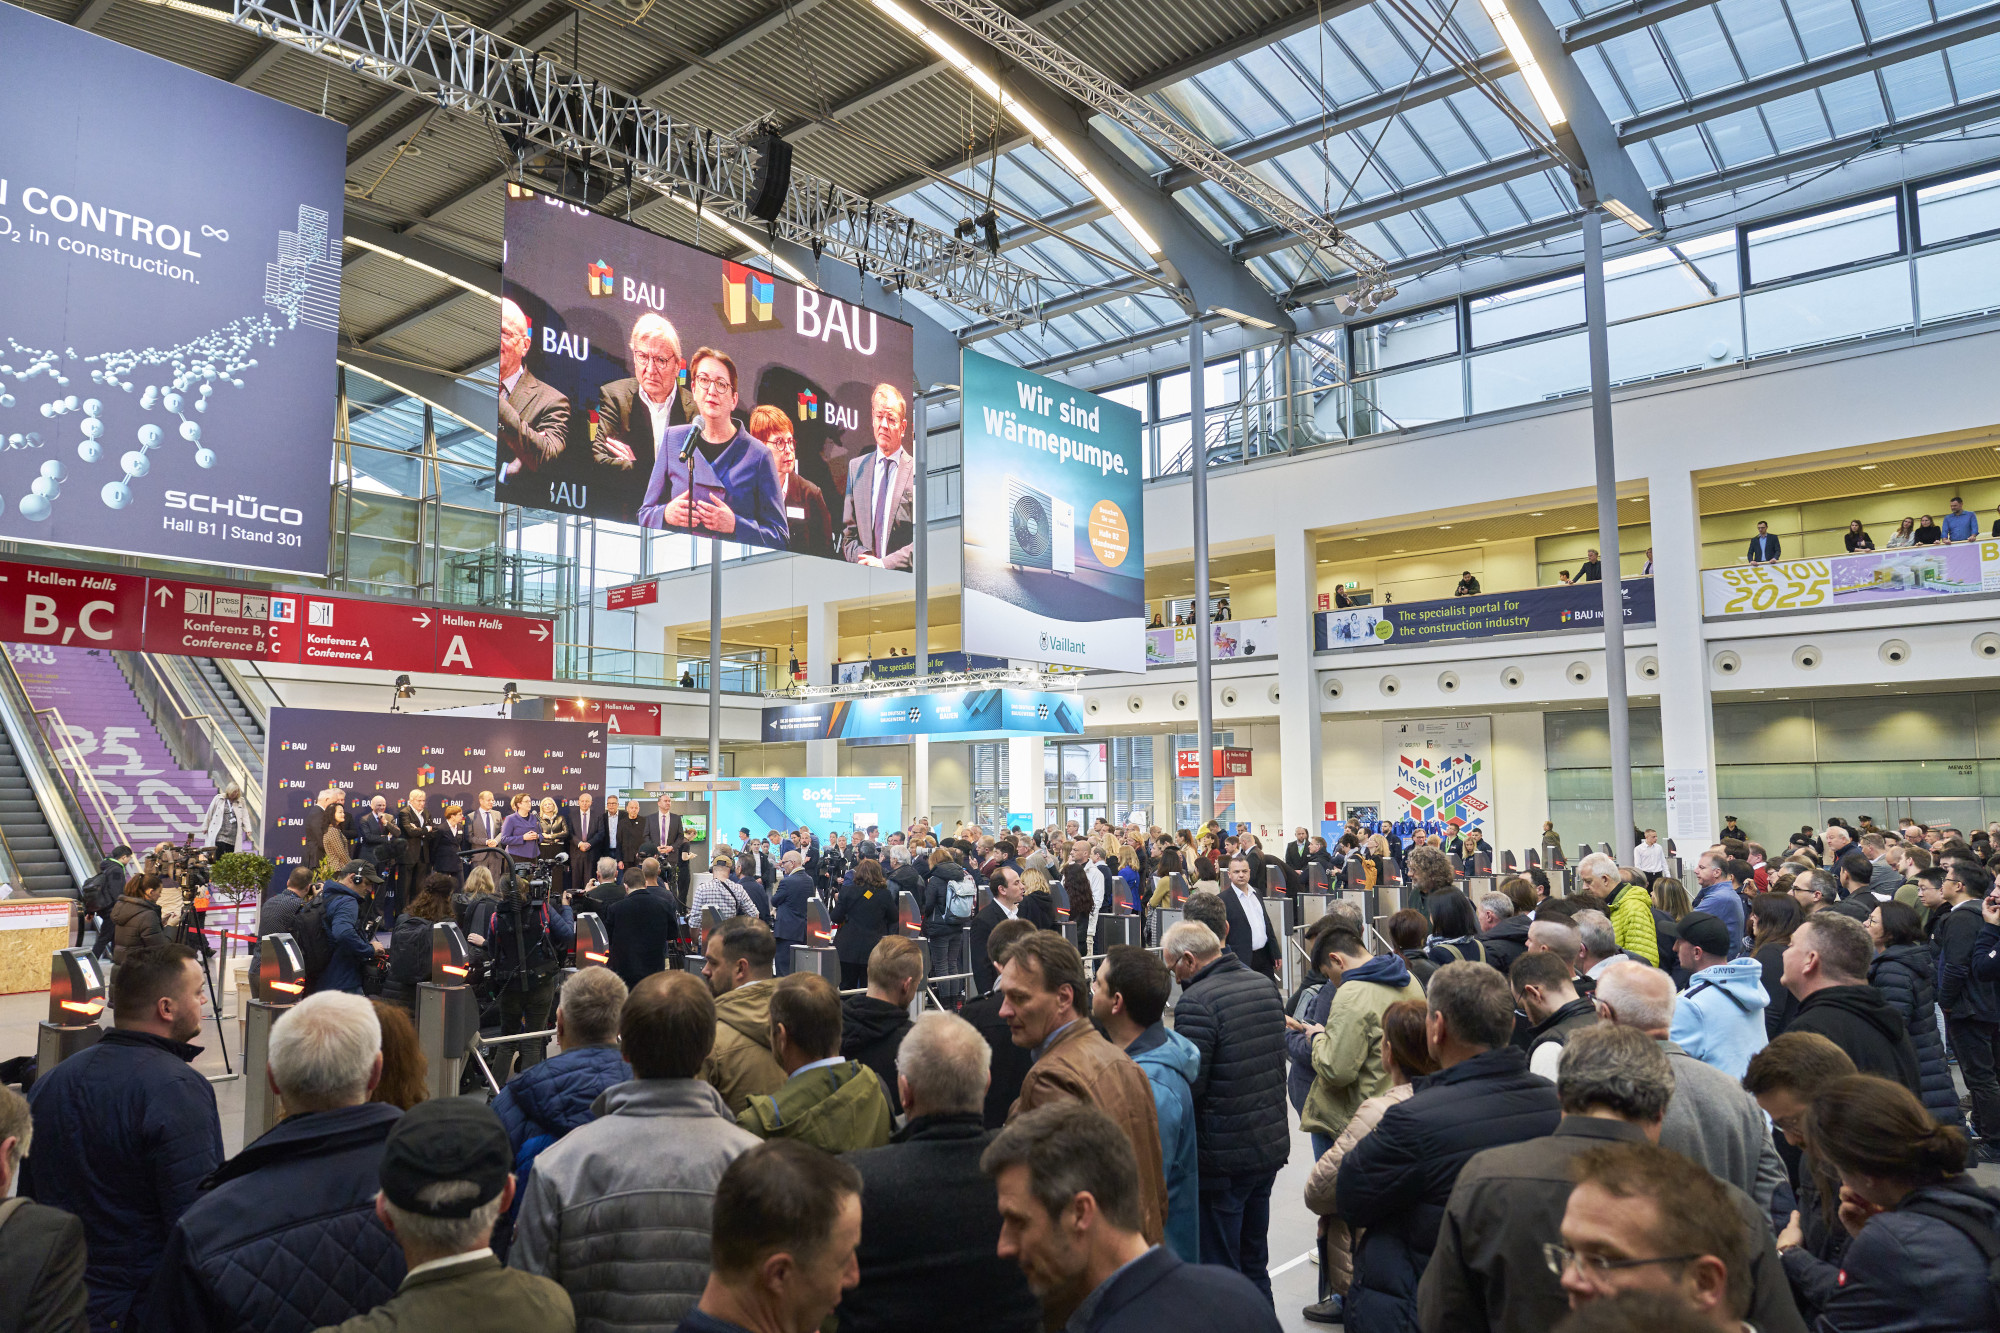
x: 456, y: 297
x: 483, y: 276
x: 1102, y: 294
x: 1443, y: 188
x: 92, y: 14
x: 739, y: 41
x: 465, y: 403
x: 1598, y: 165
x: 257, y: 68
x: 1966, y: 27
x: 1606, y: 24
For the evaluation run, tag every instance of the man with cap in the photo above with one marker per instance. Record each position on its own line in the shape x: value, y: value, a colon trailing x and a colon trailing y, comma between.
x: 446, y: 1177
x: 347, y: 897
x: 1719, y: 1019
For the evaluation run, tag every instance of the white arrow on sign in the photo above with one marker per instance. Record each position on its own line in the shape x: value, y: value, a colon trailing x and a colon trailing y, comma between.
x: 540, y: 631
x: 423, y: 620
x: 165, y: 596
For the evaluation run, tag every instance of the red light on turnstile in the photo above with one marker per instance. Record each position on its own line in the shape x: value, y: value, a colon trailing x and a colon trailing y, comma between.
x: 591, y: 957
x: 288, y: 987
x: 456, y: 971
x: 90, y: 1007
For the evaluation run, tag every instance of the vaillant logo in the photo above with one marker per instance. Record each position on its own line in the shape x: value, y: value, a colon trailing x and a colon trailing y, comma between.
x: 1057, y: 643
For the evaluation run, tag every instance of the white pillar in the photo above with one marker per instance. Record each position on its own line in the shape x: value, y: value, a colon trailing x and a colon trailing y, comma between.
x: 920, y: 776
x: 822, y: 647
x: 1302, y: 784
x: 1026, y: 782
x: 1687, y: 718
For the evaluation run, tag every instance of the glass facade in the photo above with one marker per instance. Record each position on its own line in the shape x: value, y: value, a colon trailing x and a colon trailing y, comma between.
x: 1187, y: 791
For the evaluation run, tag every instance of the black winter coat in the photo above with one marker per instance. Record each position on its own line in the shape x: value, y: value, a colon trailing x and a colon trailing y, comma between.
x: 1236, y: 1020
x: 1902, y: 973
x: 934, y: 1228
x: 1396, y: 1181
x: 1507, y: 941
x: 1956, y: 933
x: 1784, y: 1006
x: 864, y: 917
x: 1859, y: 1021
x: 1039, y: 908
x: 936, y: 898
x: 284, y: 1238
x: 872, y: 1031
x: 1909, y: 1273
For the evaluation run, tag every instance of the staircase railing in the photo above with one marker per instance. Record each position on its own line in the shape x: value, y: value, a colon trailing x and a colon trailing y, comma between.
x: 253, y: 687
x: 200, y: 694
x: 194, y: 738
x: 53, y: 793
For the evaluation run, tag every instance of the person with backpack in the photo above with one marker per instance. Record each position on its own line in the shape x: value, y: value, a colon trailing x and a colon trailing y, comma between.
x: 527, y: 939
x: 410, y: 942
x: 1454, y: 930
x: 949, y: 900
x: 1925, y: 1257
x: 334, y: 944
x: 100, y: 893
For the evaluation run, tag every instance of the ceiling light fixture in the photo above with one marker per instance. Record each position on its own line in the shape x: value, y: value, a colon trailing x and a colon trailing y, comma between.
x: 1533, y: 75
x: 421, y: 267
x: 1869, y: 467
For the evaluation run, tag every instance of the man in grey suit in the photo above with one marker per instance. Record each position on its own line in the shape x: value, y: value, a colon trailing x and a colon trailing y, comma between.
x: 534, y: 418
x: 875, y: 521
x: 633, y: 414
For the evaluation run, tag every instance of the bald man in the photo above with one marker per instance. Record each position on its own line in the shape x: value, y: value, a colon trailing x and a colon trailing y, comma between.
x: 534, y: 418
x: 634, y: 414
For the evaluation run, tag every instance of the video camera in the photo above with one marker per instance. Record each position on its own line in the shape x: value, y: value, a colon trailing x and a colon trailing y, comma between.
x: 533, y: 880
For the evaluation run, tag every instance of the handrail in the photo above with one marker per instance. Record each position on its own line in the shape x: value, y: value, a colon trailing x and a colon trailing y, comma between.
x: 65, y: 746
x: 251, y: 689
x: 53, y: 794
x: 157, y: 694
x: 203, y: 695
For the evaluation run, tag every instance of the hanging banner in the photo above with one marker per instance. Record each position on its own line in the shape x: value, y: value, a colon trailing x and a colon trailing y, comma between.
x: 1576, y: 606
x: 825, y: 805
x: 621, y: 717
x: 1962, y: 569
x: 1054, y: 565
x: 905, y: 668
x: 626, y: 596
x: 1228, y: 639
x: 963, y: 714
x: 1437, y: 771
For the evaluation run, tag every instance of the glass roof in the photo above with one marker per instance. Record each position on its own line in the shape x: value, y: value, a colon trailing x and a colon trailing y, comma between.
x: 1264, y: 107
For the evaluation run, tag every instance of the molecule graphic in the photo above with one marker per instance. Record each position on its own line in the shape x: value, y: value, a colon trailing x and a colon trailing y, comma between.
x: 185, y: 377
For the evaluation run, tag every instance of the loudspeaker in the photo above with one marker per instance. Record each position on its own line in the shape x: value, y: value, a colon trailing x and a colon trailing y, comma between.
x: 772, y: 178
x: 1577, y: 672
x: 1134, y: 702
x: 1448, y: 682
x: 1727, y: 664
x: 1805, y: 657
x: 1181, y: 701
x: 1649, y: 668
x: 1987, y: 646
x: 1894, y: 652
x: 1092, y: 707
x: 1390, y: 685
x: 1228, y: 698
x: 1513, y: 677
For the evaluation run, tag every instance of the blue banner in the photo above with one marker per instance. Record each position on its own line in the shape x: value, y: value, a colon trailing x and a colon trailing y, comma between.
x: 1576, y: 606
x: 964, y: 714
x: 905, y: 668
x: 824, y: 805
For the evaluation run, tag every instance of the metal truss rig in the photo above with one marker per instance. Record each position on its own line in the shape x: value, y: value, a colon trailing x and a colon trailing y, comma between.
x: 445, y: 59
x: 1165, y: 135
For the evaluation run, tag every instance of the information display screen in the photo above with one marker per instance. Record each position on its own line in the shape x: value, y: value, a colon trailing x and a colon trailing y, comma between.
x: 792, y: 434
x: 169, y: 305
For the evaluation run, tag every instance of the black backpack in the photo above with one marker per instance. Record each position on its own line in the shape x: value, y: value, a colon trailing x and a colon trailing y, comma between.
x: 518, y: 939
x: 102, y: 889
x: 315, y: 941
x: 410, y: 952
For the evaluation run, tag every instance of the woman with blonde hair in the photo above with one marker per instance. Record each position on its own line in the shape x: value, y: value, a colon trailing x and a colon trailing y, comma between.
x: 1671, y: 897
x: 1038, y: 905
x: 554, y: 828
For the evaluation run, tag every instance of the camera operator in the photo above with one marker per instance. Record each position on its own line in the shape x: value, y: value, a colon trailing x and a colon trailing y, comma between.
x: 528, y: 935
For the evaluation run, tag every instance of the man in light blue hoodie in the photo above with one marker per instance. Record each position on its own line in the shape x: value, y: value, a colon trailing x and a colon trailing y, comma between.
x: 1719, y: 1019
x: 1127, y: 1000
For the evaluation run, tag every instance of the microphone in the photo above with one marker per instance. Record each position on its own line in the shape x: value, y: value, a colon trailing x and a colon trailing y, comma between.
x: 687, y: 449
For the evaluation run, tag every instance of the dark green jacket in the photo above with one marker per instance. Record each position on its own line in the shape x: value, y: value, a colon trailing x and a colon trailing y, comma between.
x: 478, y: 1296
x: 837, y: 1108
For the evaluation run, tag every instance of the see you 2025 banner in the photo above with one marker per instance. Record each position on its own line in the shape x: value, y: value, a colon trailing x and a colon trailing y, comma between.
x: 792, y: 432
x: 1055, y: 541
x: 169, y: 302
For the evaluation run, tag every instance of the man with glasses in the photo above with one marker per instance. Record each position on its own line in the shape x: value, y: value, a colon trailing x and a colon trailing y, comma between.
x: 711, y: 476
x: 1499, y: 1263
x: 1971, y: 1006
x: 1643, y: 1218
x: 875, y: 522
x: 633, y: 415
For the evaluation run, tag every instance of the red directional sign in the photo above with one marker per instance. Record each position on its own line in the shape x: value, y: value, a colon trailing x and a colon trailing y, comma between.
x: 345, y: 631
x: 629, y: 595
x: 87, y: 607
x: 488, y: 643
x: 621, y: 717
x: 211, y: 620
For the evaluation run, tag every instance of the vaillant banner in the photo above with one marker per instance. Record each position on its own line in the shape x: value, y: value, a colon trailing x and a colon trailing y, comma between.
x: 169, y: 304
x: 453, y: 759
x: 1436, y: 771
x: 824, y: 805
x: 796, y: 438
x: 1578, y: 606
x: 965, y: 714
x: 1055, y: 541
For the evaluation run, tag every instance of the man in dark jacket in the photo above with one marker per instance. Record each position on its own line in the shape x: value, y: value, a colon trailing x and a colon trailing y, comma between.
x: 1971, y: 1003
x: 348, y: 905
x: 280, y: 912
x: 1504, y: 934
x: 872, y: 1026
x: 643, y: 923
x: 788, y: 907
x: 1826, y: 968
x: 932, y: 1225
x: 284, y: 1238
x: 1092, y: 1267
x: 589, y: 837
x: 1236, y: 1020
x: 1544, y: 987
x: 126, y: 1130
x: 1508, y: 1202
x: 1010, y: 1063
x: 1397, y: 1180
x: 41, y: 1249
x: 1005, y: 884
x: 1250, y: 933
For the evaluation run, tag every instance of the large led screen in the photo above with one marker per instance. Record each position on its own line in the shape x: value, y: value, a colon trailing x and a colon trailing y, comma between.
x: 650, y: 382
x: 169, y: 303
x: 1055, y: 555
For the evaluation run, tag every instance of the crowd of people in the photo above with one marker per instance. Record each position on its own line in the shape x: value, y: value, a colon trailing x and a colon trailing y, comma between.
x: 1537, y: 1110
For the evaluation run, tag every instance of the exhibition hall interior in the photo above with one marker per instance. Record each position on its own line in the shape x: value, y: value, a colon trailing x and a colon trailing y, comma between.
x: 1003, y: 664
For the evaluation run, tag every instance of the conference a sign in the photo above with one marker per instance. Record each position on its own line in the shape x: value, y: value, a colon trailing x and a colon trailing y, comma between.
x: 167, y: 324
x: 961, y: 714
x: 1864, y: 578
x: 450, y: 758
x: 1227, y: 762
x: 1578, y: 606
x: 1054, y: 566
x: 1438, y: 771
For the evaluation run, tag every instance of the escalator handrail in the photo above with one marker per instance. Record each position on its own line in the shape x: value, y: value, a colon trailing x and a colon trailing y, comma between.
x: 53, y: 794
x: 64, y: 746
x: 218, y: 743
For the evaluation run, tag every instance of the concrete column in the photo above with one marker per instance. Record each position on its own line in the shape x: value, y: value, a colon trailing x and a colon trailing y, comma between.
x: 1026, y: 783
x: 1302, y: 786
x: 920, y: 776
x: 822, y: 647
x: 1687, y: 718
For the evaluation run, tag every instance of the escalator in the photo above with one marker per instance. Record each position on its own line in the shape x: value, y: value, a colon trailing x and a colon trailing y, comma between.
x: 240, y: 724
x: 29, y: 841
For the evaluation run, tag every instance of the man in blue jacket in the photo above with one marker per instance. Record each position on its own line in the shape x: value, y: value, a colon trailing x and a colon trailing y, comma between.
x: 1719, y: 1019
x: 347, y: 896
x: 284, y: 1238
x: 1127, y: 1000
x: 788, y: 907
x: 126, y: 1131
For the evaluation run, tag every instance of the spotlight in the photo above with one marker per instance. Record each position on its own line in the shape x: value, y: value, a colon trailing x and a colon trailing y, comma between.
x: 404, y: 690
x: 510, y: 693
x: 989, y: 224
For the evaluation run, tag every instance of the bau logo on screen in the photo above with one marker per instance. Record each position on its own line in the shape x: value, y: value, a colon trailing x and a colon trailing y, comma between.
x: 750, y: 304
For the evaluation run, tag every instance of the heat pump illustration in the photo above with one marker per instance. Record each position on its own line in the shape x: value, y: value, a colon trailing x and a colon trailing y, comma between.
x: 1041, y: 530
